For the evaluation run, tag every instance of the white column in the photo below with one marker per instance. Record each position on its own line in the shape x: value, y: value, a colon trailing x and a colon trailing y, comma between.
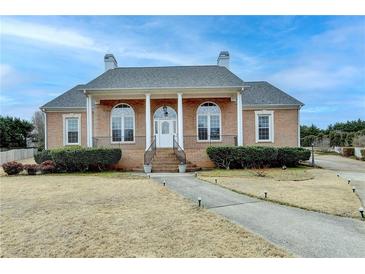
x: 45, y: 131
x: 180, y: 120
x: 89, y: 119
x: 148, y: 120
x: 239, y: 120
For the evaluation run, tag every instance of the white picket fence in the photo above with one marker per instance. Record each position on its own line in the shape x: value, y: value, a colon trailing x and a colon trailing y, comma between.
x: 17, y: 154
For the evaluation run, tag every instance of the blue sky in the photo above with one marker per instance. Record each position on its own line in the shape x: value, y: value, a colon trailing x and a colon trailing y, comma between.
x: 320, y: 60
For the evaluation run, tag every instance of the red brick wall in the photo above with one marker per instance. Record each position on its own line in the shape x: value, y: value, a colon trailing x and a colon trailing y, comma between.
x: 285, y: 127
x: 55, y: 128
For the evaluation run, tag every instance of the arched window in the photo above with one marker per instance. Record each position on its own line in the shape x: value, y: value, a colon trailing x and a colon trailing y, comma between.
x: 123, y: 123
x: 209, y: 122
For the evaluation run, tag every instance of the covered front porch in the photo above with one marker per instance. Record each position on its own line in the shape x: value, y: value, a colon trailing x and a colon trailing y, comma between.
x: 142, y: 122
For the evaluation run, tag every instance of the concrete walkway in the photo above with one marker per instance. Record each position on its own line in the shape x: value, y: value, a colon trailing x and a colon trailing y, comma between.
x: 346, y: 168
x: 302, y: 233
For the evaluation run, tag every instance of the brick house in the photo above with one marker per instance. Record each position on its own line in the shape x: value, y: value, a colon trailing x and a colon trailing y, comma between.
x: 161, y: 116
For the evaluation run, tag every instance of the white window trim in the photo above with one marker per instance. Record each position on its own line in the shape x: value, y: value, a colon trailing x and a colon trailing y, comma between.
x: 65, y: 137
x: 269, y: 113
x: 134, y: 126
x: 220, y: 125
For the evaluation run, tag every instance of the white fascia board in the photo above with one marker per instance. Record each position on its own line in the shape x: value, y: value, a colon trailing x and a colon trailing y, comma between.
x: 273, y: 106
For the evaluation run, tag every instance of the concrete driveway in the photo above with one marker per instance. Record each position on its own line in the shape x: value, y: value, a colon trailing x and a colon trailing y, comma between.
x: 346, y: 168
x: 303, y: 233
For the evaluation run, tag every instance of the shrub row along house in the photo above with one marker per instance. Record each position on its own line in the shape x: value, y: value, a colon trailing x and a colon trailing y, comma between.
x: 163, y: 116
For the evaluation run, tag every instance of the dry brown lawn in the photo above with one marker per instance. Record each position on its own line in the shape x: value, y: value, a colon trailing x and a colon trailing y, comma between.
x: 113, y: 216
x: 313, y: 189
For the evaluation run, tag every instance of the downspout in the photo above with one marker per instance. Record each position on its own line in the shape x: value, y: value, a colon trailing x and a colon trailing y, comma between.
x: 299, y: 126
x: 45, y: 129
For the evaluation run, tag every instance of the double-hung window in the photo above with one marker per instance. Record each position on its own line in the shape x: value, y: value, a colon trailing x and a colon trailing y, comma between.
x: 72, y: 129
x: 122, y: 123
x: 264, y: 126
x: 209, y: 122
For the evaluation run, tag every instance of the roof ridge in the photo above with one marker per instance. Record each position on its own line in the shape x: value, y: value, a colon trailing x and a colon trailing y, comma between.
x: 188, y: 66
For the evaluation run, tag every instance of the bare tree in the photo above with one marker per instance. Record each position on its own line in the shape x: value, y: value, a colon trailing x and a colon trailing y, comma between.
x: 38, y: 132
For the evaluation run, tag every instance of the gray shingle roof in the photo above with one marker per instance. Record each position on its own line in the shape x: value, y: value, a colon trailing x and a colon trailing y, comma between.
x: 255, y: 93
x: 166, y: 77
x: 73, y: 98
x: 263, y: 93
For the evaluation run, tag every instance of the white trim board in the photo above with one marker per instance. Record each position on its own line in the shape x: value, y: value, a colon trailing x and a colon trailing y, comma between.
x: 270, y: 113
x: 71, y: 115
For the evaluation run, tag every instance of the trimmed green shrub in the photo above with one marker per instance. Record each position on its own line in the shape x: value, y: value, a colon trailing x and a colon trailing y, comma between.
x: 12, y: 168
x: 256, y: 156
x: 291, y: 156
x: 348, y: 151
x: 222, y: 156
x: 72, y: 159
x: 42, y: 156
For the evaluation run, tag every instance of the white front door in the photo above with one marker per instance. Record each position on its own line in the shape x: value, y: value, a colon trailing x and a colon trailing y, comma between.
x: 165, y: 131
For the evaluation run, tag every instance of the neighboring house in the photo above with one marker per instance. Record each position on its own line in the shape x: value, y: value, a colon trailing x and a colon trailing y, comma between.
x: 143, y: 109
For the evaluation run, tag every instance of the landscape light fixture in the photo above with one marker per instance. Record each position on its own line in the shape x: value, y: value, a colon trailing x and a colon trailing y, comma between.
x: 349, y: 181
x: 265, y: 194
x: 216, y: 180
x: 361, y: 210
x: 199, y: 201
x: 353, y: 189
x: 164, y: 182
x: 196, y: 174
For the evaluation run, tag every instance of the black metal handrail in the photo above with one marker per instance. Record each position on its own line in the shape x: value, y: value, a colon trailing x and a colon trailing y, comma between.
x: 150, y: 152
x: 179, y: 152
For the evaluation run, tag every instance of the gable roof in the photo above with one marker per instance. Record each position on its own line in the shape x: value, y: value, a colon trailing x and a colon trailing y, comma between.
x: 263, y: 93
x: 166, y: 77
x: 255, y: 93
x: 73, y: 98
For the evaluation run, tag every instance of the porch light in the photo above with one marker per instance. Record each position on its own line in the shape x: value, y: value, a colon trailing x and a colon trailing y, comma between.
x: 165, y: 112
x: 353, y: 189
x: 199, y: 201
x: 361, y: 210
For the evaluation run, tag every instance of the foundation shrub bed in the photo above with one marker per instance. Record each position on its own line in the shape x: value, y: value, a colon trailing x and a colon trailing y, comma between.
x: 76, y: 159
x: 256, y: 156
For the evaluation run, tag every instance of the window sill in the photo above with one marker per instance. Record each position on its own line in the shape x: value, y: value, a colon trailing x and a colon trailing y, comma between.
x: 123, y: 143
x: 264, y: 141
x: 208, y: 141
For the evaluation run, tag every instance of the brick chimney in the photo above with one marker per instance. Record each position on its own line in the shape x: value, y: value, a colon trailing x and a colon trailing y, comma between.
x: 110, y: 62
x: 223, y: 59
